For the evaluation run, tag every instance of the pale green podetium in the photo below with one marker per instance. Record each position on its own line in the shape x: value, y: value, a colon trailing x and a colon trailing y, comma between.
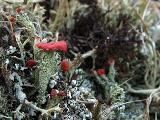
x: 47, y: 66
x: 47, y: 60
x: 25, y: 21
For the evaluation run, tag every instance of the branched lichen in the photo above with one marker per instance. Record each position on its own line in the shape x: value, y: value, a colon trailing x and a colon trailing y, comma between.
x: 47, y: 61
x: 113, y: 93
x: 25, y: 21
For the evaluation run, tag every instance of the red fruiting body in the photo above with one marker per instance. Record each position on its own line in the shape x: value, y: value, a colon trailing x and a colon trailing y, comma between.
x: 18, y: 9
x: 101, y: 71
x: 30, y: 62
x: 111, y: 61
x: 54, y: 92
x: 59, y: 45
x: 12, y: 18
x: 61, y: 93
x: 64, y: 65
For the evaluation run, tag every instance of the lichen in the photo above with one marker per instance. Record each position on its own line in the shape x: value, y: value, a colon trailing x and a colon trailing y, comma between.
x: 60, y: 15
x: 3, y: 100
x: 25, y: 21
x: 113, y: 93
x: 47, y: 66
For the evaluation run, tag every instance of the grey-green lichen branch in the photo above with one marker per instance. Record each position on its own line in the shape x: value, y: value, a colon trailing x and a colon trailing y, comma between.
x: 47, y: 66
x: 43, y: 111
x: 112, y: 92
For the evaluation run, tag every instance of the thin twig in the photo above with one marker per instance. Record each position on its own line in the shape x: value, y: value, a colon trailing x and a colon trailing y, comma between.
x: 89, y: 53
x: 43, y: 111
x: 142, y: 91
x: 145, y: 10
x: 6, y: 117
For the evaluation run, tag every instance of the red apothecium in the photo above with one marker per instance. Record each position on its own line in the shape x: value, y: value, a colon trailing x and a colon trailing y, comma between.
x: 30, y: 62
x: 101, y: 71
x: 64, y: 64
x: 61, y: 93
x: 18, y: 9
x: 59, y: 45
x: 12, y: 18
x: 54, y: 92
